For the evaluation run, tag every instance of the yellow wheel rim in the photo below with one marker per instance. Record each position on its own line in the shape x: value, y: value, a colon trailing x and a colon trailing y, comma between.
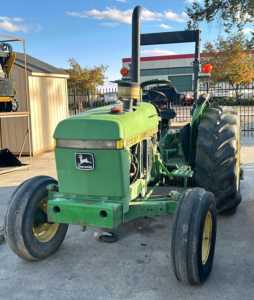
x: 43, y: 231
x: 207, y: 236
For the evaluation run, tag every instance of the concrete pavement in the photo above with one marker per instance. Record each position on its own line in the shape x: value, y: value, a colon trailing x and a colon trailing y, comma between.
x: 138, y: 265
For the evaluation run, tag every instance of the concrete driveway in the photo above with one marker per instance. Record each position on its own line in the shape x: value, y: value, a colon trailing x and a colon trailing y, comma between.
x: 138, y: 265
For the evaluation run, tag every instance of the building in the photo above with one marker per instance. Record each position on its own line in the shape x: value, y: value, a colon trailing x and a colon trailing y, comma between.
x: 47, y: 105
x: 177, y: 68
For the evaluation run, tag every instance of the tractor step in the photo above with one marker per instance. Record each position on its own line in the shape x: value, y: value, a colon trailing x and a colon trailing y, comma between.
x: 183, y: 171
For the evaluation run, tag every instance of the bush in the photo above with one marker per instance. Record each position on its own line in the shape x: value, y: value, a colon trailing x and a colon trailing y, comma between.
x: 85, y: 104
x: 227, y: 101
x: 247, y: 102
x: 98, y: 103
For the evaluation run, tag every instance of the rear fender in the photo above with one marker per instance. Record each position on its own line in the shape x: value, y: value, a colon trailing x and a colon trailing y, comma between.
x: 201, y: 104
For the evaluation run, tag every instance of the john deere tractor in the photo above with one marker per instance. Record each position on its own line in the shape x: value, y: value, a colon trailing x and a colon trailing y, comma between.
x: 126, y: 142
x: 8, y: 102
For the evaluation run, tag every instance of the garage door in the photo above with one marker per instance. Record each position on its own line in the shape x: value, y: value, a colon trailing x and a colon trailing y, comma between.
x: 182, y: 83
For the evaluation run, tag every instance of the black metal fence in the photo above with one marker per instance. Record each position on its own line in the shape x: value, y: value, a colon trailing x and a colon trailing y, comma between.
x: 241, y: 98
x: 79, y: 102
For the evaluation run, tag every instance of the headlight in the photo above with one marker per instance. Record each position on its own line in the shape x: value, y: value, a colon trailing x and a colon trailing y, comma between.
x: 88, y: 144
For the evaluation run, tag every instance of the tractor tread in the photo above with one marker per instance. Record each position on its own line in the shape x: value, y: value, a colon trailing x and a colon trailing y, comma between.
x: 216, y: 155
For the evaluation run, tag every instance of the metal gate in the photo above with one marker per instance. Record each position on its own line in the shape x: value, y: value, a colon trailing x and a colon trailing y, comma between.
x: 219, y: 95
x: 225, y: 95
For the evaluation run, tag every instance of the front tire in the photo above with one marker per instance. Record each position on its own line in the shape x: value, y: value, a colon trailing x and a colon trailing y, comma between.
x: 193, y: 236
x: 27, y: 231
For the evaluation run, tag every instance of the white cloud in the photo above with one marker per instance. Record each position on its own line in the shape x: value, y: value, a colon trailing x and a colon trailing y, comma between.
x: 247, y: 30
x: 164, y: 26
x: 191, y: 1
x: 157, y: 52
x: 37, y: 28
x: 17, y: 19
x: 4, y: 18
x: 147, y: 15
x: 124, y: 1
x: 109, y: 24
x: 243, y: 17
x: 9, y: 24
x: 76, y: 14
x: 108, y: 14
x: 174, y: 17
x: 126, y: 15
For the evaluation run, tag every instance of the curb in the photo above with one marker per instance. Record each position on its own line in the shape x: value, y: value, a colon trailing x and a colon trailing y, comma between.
x: 2, y: 239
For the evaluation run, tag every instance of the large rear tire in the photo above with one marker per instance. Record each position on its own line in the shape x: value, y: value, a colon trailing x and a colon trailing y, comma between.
x: 27, y: 231
x: 193, y: 236
x: 218, y: 157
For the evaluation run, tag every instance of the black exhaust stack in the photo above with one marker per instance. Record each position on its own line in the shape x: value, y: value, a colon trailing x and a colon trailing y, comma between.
x: 135, y: 55
x: 130, y: 91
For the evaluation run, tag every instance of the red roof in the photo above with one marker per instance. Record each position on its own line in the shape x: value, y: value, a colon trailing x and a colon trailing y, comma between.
x: 165, y: 57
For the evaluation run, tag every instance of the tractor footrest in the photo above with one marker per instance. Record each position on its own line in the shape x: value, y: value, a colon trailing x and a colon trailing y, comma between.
x: 84, y: 213
x: 183, y: 171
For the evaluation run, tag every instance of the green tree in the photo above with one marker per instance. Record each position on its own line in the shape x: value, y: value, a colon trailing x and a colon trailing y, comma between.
x: 84, y: 78
x: 229, y: 13
x: 231, y: 60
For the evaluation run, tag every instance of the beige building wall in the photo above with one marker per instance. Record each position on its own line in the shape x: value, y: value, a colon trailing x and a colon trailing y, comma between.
x: 14, y: 129
x: 48, y: 106
x: 48, y: 101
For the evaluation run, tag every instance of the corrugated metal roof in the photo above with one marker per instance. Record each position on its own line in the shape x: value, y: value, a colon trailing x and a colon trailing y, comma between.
x: 37, y: 66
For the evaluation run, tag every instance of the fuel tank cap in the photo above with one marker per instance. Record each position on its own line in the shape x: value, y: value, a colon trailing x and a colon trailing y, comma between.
x: 117, y: 110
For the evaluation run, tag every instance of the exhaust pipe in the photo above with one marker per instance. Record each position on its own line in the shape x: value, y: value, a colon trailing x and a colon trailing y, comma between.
x: 135, y: 56
x: 130, y: 91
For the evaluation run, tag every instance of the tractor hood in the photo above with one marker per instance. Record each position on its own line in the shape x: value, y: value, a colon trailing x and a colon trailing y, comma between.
x: 102, y: 124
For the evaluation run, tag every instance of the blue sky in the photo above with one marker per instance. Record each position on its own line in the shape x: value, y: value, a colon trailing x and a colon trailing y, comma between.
x: 94, y: 32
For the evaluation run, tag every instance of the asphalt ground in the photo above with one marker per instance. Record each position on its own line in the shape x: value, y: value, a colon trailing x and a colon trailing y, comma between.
x: 138, y: 265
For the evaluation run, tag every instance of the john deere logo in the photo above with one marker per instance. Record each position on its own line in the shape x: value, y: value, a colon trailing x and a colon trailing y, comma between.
x: 84, y: 161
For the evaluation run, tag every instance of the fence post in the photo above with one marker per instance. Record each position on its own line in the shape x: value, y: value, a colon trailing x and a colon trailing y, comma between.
x: 75, y: 100
x: 88, y: 98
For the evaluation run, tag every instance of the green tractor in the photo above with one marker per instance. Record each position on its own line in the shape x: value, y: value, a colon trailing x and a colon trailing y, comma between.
x: 127, y: 142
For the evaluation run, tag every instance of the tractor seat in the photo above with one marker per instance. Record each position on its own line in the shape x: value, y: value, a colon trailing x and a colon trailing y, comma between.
x: 168, y: 114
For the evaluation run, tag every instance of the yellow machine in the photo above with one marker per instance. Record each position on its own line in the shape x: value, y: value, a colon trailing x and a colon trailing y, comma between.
x: 8, y: 102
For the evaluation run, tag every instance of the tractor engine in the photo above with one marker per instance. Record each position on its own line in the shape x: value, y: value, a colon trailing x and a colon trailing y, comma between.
x: 141, y: 159
x: 108, y: 151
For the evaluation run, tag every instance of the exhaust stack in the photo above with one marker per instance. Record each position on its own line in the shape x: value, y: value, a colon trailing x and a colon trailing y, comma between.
x: 135, y: 56
x: 130, y: 91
